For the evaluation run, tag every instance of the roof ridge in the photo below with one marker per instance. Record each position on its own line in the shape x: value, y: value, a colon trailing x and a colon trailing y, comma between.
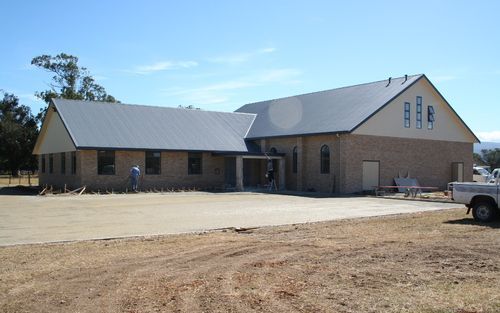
x: 327, y: 90
x: 151, y: 106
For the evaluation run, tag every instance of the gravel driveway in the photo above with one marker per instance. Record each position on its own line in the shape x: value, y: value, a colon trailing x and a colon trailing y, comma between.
x: 36, y: 219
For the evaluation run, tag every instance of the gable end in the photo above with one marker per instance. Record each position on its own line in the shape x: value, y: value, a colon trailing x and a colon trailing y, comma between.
x: 54, y: 136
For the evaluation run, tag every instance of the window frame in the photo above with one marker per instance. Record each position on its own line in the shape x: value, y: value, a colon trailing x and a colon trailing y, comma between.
x: 294, y: 160
x: 43, y: 161
x: 101, y: 158
x: 63, y: 163
x: 419, y: 113
x: 324, y: 159
x: 73, y: 162
x: 431, y: 117
x: 407, y: 119
x: 152, y: 158
x: 51, y: 163
x: 193, y: 156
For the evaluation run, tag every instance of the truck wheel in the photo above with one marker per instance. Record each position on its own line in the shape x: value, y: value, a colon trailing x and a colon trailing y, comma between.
x: 483, y: 212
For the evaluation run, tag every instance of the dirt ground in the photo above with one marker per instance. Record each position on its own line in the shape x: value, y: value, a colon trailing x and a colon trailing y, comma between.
x: 438, y: 261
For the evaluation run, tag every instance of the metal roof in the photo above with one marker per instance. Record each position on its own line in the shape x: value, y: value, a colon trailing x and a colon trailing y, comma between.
x: 105, y: 125
x: 102, y: 125
x: 330, y: 111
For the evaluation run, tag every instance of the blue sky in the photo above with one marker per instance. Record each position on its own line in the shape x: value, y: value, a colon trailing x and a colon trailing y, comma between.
x: 219, y: 55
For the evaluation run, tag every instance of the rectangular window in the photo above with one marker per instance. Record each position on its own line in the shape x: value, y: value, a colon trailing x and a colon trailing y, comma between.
x: 194, y: 163
x: 407, y: 115
x: 294, y: 160
x: 325, y: 160
x: 63, y: 163
x: 43, y: 163
x: 430, y: 117
x: 419, y: 112
x: 51, y: 163
x: 153, y: 161
x: 105, y: 162
x: 73, y: 163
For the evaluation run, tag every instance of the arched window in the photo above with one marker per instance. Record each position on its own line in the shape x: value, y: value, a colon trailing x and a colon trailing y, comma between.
x: 325, y: 159
x: 294, y: 160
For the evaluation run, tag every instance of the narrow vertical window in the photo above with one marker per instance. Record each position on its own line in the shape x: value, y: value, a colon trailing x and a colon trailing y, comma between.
x: 430, y: 117
x: 294, y: 160
x: 325, y: 159
x: 194, y: 163
x: 43, y: 163
x: 407, y: 115
x: 105, y: 162
x: 73, y: 162
x: 419, y: 112
x: 51, y: 163
x: 153, y: 162
x: 63, y: 163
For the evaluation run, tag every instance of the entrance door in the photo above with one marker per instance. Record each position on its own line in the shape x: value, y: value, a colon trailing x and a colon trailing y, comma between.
x: 371, y: 174
x: 230, y: 171
x: 457, y: 171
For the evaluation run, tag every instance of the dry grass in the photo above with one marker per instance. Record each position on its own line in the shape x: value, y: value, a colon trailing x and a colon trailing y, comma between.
x: 18, y: 181
x: 428, y: 262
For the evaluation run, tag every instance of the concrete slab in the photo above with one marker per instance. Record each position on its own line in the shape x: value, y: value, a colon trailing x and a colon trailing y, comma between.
x: 36, y: 219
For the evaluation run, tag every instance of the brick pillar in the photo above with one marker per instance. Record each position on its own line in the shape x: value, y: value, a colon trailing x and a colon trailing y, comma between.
x: 342, y: 163
x: 300, y: 164
x: 239, y: 173
x: 338, y: 165
x: 282, y: 171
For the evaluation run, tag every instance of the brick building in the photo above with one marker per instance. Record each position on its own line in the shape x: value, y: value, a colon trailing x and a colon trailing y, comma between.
x: 342, y: 140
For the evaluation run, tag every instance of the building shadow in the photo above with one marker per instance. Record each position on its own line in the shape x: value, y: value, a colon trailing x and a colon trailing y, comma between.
x: 18, y: 191
x: 471, y: 222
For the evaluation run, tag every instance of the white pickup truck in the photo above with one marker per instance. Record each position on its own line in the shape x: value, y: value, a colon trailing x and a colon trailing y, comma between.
x: 482, y: 198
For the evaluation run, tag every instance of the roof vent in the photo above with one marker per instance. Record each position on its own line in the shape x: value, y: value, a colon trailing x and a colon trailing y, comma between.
x: 389, y: 82
x: 404, y: 81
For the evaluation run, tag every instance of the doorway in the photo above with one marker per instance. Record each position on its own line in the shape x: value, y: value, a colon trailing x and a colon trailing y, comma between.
x: 371, y: 174
x: 457, y: 171
x: 230, y: 171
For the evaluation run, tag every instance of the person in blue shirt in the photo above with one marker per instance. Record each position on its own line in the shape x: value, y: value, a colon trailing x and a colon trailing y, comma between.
x: 135, y: 173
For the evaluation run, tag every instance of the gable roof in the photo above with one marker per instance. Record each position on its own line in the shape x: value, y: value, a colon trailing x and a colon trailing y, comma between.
x: 453, y: 110
x: 331, y: 111
x: 103, y: 125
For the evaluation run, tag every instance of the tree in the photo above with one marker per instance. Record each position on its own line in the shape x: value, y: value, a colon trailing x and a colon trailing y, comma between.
x: 18, y: 133
x: 477, y: 158
x: 491, y: 157
x: 70, y: 81
x: 188, y: 107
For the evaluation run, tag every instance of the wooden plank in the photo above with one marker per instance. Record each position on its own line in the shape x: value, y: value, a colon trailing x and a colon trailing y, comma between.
x: 82, y: 190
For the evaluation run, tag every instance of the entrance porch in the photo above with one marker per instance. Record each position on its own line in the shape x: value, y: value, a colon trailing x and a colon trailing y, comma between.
x: 249, y: 170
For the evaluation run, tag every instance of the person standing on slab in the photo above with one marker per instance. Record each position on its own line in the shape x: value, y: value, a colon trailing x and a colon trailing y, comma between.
x: 135, y: 173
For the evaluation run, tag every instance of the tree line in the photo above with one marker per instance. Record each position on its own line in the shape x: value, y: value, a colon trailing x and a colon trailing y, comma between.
x: 19, y: 126
x: 489, y: 157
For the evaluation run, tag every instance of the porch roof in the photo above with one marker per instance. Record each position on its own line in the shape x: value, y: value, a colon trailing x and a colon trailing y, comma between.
x: 251, y: 155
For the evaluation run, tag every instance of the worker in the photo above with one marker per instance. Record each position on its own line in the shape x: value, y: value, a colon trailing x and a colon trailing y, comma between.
x: 270, y: 169
x: 135, y: 173
x: 270, y: 173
